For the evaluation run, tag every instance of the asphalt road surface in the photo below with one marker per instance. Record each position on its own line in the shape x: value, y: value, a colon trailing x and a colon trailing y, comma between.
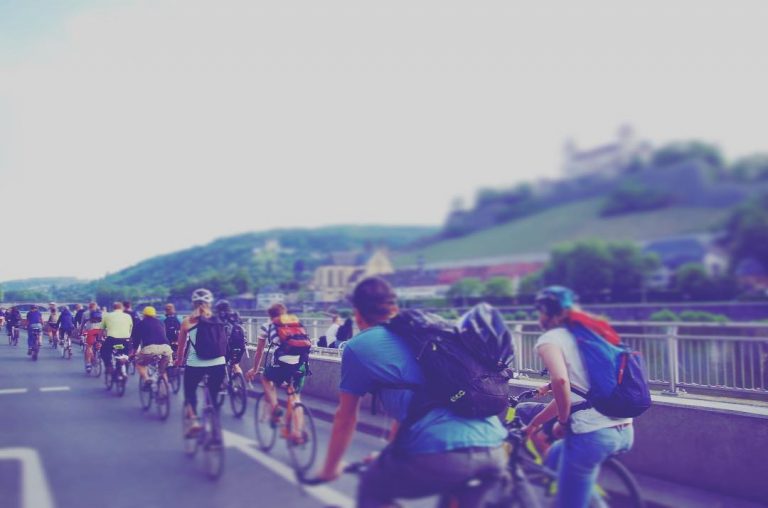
x: 67, y: 442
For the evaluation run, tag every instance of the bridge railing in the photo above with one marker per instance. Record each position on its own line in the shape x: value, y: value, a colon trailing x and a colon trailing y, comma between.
x: 713, y: 358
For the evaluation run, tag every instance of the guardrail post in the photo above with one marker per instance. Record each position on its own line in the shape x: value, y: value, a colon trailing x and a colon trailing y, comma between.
x: 315, y: 337
x: 672, y: 358
x: 517, y: 342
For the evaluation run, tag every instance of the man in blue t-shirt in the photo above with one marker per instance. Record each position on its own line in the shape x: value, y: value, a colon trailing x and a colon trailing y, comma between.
x: 437, y: 454
x: 34, y: 328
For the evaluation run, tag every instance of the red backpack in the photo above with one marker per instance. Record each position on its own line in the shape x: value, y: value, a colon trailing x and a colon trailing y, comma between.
x: 294, y: 339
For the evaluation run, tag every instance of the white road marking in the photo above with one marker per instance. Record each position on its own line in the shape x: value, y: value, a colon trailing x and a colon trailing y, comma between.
x: 9, y: 391
x: 55, y: 389
x: 35, y: 492
x: 323, y: 493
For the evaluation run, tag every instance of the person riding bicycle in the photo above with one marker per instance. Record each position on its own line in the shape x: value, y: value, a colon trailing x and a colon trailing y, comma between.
x: 588, y: 437
x: 284, y: 368
x: 233, y: 329
x: 439, y: 453
x: 172, y: 325
x: 149, y: 341
x: 65, y: 323
x: 52, y: 325
x: 92, y: 328
x: 34, y: 324
x: 118, y: 327
x: 79, y: 313
x: 199, y: 365
x: 12, y: 320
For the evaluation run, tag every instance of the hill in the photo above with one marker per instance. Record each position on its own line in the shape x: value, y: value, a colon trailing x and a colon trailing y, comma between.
x: 299, y: 250
x: 538, y: 233
x: 39, y: 283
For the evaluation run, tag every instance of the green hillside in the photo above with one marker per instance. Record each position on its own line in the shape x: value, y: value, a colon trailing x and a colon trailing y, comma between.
x: 539, y: 233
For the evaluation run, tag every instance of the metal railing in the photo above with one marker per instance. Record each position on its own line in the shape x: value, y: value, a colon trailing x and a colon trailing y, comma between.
x: 708, y: 357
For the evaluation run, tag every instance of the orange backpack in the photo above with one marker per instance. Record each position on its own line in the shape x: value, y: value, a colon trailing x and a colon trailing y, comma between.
x: 294, y: 339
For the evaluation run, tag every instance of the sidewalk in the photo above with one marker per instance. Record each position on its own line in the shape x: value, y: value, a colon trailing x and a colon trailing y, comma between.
x: 657, y: 493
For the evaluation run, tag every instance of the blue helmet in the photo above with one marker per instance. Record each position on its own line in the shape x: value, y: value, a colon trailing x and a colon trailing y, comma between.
x: 555, y: 299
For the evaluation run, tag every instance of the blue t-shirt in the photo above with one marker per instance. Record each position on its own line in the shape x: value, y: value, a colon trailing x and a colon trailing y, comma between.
x: 378, y: 357
x: 34, y: 317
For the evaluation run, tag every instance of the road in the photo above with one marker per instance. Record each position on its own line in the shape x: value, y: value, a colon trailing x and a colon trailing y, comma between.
x: 67, y: 442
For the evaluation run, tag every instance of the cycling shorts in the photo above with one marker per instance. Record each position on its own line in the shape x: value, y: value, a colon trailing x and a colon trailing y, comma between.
x: 284, y: 373
x: 91, y: 336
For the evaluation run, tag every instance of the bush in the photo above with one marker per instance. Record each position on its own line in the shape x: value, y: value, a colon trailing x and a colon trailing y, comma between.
x: 631, y: 197
x: 699, y: 316
x: 521, y: 315
x: 665, y: 315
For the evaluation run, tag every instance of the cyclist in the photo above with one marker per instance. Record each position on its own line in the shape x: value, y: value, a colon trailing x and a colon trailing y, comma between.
x: 128, y: 309
x: 149, y: 338
x: 34, y: 323
x: 197, y: 368
x: 79, y: 313
x: 92, y: 328
x: 233, y: 329
x: 66, y: 322
x: 117, y: 327
x: 282, y: 369
x: 589, y: 437
x: 172, y: 325
x: 13, y: 320
x: 52, y: 325
x: 439, y: 453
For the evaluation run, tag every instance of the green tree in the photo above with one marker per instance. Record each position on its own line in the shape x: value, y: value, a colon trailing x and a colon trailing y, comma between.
x: 532, y: 283
x: 584, y: 266
x: 464, y: 289
x: 747, y: 231
x: 498, y: 288
x: 675, y: 153
x: 753, y: 168
x: 634, y: 197
x: 630, y: 267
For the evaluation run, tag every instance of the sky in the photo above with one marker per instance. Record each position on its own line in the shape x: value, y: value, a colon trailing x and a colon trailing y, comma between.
x: 134, y: 128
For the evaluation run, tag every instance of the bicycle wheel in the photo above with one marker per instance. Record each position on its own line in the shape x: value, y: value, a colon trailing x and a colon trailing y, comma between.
x: 120, y: 386
x: 163, y: 399
x: 96, y: 366
x: 303, y: 449
x: 238, y: 395
x: 131, y: 367
x: 190, y: 443
x: 108, y: 379
x: 213, y: 446
x: 174, y: 376
x: 616, y: 487
x: 266, y: 429
x: 145, y: 396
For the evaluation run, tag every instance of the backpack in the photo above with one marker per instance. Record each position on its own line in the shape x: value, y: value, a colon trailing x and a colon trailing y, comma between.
x: 172, y: 327
x: 617, y: 376
x: 95, y: 316
x: 293, y: 337
x: 345, y: 331
x: 210, y: 341
x: 236, y: 338
x: 466, y: 367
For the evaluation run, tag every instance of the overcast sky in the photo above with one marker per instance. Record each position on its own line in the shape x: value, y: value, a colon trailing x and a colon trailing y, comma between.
x: 134, y: 128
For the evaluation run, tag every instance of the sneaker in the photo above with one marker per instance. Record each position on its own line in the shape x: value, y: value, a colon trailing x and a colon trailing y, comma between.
x: 193, y: 429
x: 88, y: 368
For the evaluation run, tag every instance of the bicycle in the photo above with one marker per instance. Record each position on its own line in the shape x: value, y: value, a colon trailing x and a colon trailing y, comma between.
x: 66, y: 345
x: 209, y: 439
x: 13, y: 335
x: 302, y: 451
x: 36, y: 334
x: 234, y: 385
x: 158, y: 391
x: 118, y: 375
x: 95, y: 362
x: 530, y: 480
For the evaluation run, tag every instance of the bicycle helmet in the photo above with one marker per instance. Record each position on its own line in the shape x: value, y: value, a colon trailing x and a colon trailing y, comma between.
x: 202, y: 295
x: 553, y: 300
x: 483, y: 326
x: 223, y: 307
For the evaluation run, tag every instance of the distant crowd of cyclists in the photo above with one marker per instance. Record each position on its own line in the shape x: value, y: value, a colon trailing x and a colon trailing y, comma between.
x: 432, y: 451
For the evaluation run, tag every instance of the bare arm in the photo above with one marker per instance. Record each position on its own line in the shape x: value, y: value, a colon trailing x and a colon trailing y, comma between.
x: 344, y: 423
x: 552, y: 356
x: 183, y: 333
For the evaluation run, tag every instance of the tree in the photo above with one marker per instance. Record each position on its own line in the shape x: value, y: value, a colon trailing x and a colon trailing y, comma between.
x: 693, y: 281
x: 634, y: 197
x: 464, y: 289
x: 753, y: 168
x: 498, y: 288
x: 675, y: 153
x: 630, y: 267
x: 747, y: 231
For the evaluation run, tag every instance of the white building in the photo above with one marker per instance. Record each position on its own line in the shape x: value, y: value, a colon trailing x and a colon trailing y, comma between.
x: 605, y: 160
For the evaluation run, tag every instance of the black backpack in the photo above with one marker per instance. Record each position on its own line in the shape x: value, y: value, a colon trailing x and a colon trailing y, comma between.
x: 211, y: 339
x: 172, y: 327
x: 466, y: 367
x: 345, y: 331
x: 237, y: 337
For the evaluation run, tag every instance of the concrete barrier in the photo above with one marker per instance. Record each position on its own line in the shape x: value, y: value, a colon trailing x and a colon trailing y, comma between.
x: 706, y: 444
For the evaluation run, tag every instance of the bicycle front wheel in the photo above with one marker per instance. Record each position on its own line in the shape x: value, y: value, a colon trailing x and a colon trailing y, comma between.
x: 174, y: 376
x: 238, y: 396
x: 213, y: 445
x: 145, y: 396
x: 163, y: 399
x: 266, y: 427
x: 616, y: 487
x: 120, y: 385
x: 302, y: 441
x: 96, y: 366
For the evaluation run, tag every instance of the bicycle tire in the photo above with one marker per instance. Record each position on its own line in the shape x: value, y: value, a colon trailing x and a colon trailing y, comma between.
x: 190, y: 443
x: 96, y: 366
x: 108, y: 379
x: 174, y: 377
x: 238, y: 395
x: 163, y: 399
x: 308, y: 445
x: 213, y: 445
x: 120, y: 386
x: 617, y: 486
x: 145, y: 396
x: 266, y: 434
x: 131, y: 367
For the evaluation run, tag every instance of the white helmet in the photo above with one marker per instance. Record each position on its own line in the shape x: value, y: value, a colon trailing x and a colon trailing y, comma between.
x: 202, y: 295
